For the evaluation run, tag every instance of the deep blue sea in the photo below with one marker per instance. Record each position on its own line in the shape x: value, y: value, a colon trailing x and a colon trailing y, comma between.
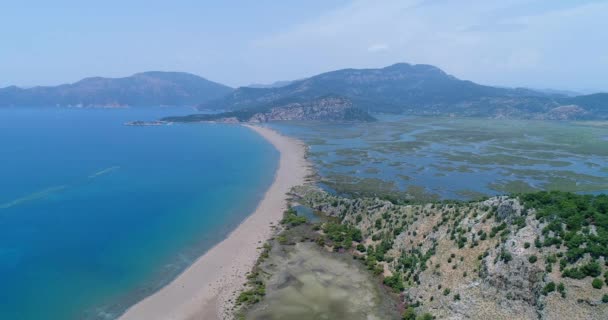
x: 94, y: 215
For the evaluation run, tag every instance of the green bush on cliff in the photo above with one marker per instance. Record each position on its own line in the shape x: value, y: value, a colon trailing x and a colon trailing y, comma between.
x: 395, y: 281
x: 549, y: 287
x: 591, y: 269
x: 410, y: 314
x: 597, y: 283
x: 569, y: 217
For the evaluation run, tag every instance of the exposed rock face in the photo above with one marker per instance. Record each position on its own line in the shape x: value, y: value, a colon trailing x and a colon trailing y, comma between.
x: 566, y: 113
x: 331, y: 109
x: 506, y: 208
x: 323, y: 109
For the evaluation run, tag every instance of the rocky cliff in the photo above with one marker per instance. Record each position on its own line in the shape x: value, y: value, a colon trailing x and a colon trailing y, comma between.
x: 322, y: 109
x: 495, y: 259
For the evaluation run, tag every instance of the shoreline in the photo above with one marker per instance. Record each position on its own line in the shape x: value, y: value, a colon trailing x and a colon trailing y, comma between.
x: 207, y: 288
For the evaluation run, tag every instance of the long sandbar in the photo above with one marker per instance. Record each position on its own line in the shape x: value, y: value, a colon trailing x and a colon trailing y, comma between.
x: 206, y: 288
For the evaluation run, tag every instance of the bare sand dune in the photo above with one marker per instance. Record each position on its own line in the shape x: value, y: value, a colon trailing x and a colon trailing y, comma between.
x: 204, y: 290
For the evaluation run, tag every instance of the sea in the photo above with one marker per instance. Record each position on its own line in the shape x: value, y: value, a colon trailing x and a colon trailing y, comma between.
x: 96, y: 215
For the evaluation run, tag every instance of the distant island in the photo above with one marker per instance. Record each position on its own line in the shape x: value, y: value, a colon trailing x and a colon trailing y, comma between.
x: 140, y: 123
x: 154, y: 88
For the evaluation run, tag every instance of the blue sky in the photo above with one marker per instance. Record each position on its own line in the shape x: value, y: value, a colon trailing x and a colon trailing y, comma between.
x: 544, y: 44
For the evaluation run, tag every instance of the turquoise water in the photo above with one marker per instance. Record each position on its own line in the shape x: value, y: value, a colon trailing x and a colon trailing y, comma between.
x: 94, y: 215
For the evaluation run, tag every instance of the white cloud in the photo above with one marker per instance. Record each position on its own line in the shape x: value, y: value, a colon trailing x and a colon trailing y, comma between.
x: 378, y: 47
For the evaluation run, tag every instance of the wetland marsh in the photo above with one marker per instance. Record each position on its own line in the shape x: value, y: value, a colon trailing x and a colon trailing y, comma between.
x: 456, y: 158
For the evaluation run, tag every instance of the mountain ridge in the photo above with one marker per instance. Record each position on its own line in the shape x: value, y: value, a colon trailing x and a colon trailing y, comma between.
x: 401, y: 88
x: 140, y: 89
x: 419, y: 89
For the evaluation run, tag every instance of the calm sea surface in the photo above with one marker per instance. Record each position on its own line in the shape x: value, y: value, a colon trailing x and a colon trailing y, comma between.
x: 94, y: 215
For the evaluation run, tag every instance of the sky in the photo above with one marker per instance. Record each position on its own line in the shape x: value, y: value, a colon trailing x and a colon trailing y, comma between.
x: 559, y: 44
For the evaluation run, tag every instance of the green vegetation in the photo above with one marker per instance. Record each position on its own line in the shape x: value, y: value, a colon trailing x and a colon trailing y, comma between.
x: 395, y: 281
x: 549, y: 287
x: 340, y: 235
x: 569, y: 218
x: 257, y: 288
x: 410, y: 314
x: 253, y: 295
x: 597, y: 283
x: 561, y: 289
x: 591, y: 269
x: 425, y: 316
x: 291, y: 218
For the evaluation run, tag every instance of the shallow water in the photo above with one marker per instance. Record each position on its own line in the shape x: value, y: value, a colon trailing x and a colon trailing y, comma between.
x: 458, y: 158
x: 307, y: 212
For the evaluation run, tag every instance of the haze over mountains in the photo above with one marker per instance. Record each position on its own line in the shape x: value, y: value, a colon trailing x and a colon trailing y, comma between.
x: 421, y: 90
x: 142, y: 89
x: 399, y: 88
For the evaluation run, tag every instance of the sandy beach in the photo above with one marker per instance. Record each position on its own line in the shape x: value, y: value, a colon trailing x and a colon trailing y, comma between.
x: 205, y: 289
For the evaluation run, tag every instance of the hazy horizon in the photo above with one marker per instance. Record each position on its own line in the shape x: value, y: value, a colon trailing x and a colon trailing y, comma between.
x: 514, y: 43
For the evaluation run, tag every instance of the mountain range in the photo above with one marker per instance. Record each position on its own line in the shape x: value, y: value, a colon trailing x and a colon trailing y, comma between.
x: 400, y: 88
x: 420, y: 90
x: 142, y: 89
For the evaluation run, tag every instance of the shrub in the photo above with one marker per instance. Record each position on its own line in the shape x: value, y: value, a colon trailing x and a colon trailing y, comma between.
x: 561, y: 289
x: 597, y: 283
x: 282, y: 239
x: 395, y: 281
x: 291, y: 218
x: 591, y: 269
x: 409, y: 314
x: 425, y: 316
x: 549, y: 287
x: 446, y: 291
x: 505, y: 256
x: 605, y: 298
x: 532, y: 259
